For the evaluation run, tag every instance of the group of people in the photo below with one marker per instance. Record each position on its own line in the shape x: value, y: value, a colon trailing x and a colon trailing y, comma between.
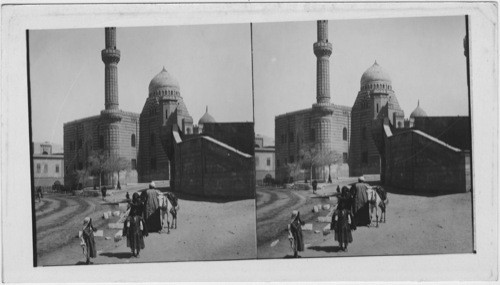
x: 352, y: 211
x: 147, y: 213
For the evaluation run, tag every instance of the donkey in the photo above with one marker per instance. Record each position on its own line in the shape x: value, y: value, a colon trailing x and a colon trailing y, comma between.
x: 385, y: 200
x: 374, y: 202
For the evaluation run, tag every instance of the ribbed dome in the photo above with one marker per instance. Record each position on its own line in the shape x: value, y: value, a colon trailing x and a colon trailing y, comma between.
x: 207, y: 118
x: 418, y: 112
x: 163, y: 80
x: 375, y: 74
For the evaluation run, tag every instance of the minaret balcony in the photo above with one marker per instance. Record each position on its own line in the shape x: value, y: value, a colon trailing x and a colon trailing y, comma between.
x: 110, y: 55
x: 111, y: 115
x: 322, y: 49
x: 323, y: 108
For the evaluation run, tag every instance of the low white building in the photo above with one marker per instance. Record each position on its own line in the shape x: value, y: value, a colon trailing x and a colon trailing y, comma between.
x: 48, y: 164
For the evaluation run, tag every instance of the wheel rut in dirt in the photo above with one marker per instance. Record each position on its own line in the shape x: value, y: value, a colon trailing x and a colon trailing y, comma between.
x: 68, y: 223
x: 50, y: 207
x: 272, y: 223
x: 58, y: 219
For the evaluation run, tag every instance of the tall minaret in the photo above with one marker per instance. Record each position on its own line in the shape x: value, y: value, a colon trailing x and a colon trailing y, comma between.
x: 111, y: 56
x: 322, y: 50
x: 110, y: 116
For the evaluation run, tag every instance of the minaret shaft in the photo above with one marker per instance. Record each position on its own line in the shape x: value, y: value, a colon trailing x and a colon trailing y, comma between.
x: 322, y: 50
x: 110, y: 56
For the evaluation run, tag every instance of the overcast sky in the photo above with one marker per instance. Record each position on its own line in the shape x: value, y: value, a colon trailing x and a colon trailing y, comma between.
x: 212, y: 64
x: 423, y: 56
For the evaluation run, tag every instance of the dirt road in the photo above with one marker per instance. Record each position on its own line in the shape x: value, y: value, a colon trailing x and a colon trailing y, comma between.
x: 215, y: 230
x: 415, y: 225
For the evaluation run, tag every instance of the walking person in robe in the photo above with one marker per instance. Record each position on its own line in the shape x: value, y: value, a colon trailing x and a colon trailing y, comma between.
x: 295, y: 233
x: 342, y: 223
x: 315, y: 186
x: 361, y: 208
x: 152, y: 211
x: 103, y: 193
x: 134, y: 227
x: 87, y: 241
x: 39, y: 193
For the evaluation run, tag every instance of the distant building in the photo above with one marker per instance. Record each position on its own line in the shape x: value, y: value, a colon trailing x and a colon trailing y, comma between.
x: 264, y: 161
x: 48, y: 166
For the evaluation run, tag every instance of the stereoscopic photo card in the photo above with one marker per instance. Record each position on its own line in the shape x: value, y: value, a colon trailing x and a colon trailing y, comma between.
x: 168, y: 142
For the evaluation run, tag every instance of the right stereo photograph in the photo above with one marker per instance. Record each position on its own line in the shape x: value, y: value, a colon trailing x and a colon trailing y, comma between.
x: 363, y: 137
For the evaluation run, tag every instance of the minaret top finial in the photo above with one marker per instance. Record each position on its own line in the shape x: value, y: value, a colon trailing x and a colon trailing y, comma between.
x: 418, y: 102
x: 206, y: 110
x: 164, y: 68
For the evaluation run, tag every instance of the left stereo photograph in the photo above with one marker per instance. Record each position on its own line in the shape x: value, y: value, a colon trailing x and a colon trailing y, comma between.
x: 142, y: 144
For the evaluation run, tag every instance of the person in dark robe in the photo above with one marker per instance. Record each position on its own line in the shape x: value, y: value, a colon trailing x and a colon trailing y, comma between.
x: 134, y: 228
x: 347, y: 196
x: 361, y: 208
x: 87, y: 241
x: 295, y: 233
x: 341, y: 223
x: 103, y: 192
x: 315, y: 186
x: 152, y: 211
x: 39, y: 193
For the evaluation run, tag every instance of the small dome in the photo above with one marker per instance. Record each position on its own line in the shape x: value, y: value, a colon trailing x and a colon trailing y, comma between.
x: 163, y: 80
x: 207, y: 118
x: 418, y: 112
x: 375, y: 73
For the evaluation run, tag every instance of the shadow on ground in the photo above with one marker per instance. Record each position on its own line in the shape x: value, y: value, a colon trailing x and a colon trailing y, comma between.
x: 291, y: 256
x: 81, y: 263
x: 120, y: 255
x: 328, y: 249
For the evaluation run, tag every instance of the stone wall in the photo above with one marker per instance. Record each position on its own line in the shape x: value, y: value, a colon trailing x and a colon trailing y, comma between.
x: 83, y: 136
x: 210, y: 169
x: 153, y: 163
x: 418, y: 162
x: 87, y: 130
x: 311, y: 128
x: 129, y: 125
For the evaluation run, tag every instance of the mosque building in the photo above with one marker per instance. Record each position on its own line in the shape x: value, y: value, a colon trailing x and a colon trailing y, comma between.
x: 162, y: 142
x: 164, y: 100
x: 113, y: 131
x: 375, y: 93
x: 209, y: 159
x: 324, y: 127
x: 430, y: 154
